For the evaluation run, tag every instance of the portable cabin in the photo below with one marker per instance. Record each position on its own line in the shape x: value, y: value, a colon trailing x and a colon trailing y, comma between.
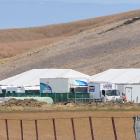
x: 64, y: 85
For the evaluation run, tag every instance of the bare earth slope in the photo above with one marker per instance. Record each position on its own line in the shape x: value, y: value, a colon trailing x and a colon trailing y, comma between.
x: 89, y: 46
x: 15, y: 41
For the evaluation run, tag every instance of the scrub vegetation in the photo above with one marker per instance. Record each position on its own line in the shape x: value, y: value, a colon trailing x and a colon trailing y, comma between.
x: 34, y: 106
x: 89, y: 46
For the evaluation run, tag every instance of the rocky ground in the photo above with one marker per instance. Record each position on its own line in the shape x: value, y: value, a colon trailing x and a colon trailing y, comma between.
x: 33, y: 105
x: 89, y: 46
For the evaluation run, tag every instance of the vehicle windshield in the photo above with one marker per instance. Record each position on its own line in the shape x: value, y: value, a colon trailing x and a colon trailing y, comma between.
x: 112, y: 93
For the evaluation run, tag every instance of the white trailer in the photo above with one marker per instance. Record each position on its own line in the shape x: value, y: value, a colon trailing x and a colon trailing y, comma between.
x: 54, y: 85
x: 12, y: 89
x: 94, y: 90
x: 63, y: 85
x: 131, y: 91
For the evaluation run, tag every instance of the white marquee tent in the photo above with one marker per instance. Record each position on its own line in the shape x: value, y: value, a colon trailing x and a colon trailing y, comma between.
x: 125, y: 80
x: 118, y: 76
x: 30, y: 80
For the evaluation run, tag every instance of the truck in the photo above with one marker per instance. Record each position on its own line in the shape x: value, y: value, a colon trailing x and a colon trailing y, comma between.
x: 103, y: 92
x: 63, y: 85
x: 54, y: 85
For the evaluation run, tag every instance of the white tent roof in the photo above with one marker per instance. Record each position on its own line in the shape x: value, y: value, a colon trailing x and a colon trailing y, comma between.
x: 32, y: 77
x: 118, y: 76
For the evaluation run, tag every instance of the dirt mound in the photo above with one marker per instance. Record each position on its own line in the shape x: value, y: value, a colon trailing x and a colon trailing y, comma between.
x: 33, y: 105
x: 23, y: 103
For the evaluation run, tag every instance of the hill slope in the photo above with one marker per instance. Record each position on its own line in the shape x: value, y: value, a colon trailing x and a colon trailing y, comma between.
x: 89, y: 46
x: 15, y: 41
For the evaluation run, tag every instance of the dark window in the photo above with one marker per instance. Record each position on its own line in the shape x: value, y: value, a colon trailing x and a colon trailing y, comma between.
x: 103, y: 92
x: 81, y: 89
x: 72, y: 90
x: 112, y: 92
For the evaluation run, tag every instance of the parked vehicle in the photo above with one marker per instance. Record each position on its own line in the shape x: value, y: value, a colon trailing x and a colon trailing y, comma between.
x: 103, y: 92
x: 112, y: 95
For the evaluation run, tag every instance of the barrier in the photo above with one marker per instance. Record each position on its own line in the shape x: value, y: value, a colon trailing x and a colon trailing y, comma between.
x: 74, y: 132
x: 57, y: 97
x: 137, y: 127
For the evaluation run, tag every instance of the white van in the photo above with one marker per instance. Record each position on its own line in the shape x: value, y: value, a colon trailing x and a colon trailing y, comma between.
x: 111, y: 95
x: 103, y: 92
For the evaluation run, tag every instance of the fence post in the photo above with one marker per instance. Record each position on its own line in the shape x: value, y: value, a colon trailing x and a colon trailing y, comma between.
x: 54, y: 129
x: 21, y: 129
x: 91, y: 128
x: 75, y: 97
x: 36, y: 129
x: 73, y: 129
x: 114, y: 128
x: 7, y: 132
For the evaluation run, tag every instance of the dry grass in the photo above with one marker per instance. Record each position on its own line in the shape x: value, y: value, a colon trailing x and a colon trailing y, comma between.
x: 33, y: 106
x: 15, y: 41
x: 89, y: 46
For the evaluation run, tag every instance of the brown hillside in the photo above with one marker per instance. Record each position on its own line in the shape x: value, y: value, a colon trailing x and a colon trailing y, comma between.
x: 15, y: 41
x: 89, y: 46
